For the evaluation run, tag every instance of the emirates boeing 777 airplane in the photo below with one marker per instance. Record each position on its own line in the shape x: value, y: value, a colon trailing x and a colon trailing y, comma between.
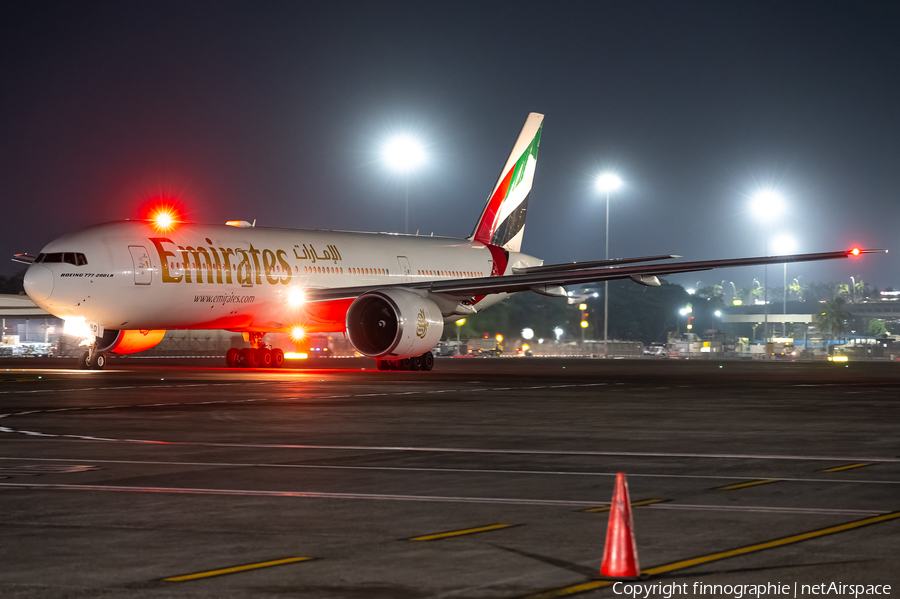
x: 125, y: 283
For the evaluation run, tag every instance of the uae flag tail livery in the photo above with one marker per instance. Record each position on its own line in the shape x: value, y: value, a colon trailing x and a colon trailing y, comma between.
x: 502, y: 222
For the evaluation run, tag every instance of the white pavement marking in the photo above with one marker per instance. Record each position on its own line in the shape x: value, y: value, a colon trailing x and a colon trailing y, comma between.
x: 423, y: 498
x: 431, y: 449
x: 63, y: 390
x: 451, y: 470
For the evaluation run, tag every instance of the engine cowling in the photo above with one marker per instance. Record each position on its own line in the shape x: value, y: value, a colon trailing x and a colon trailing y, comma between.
x: 128, y: 342
x: 393, y: 324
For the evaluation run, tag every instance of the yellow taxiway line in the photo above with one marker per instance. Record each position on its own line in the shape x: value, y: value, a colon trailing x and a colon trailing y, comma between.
x: 696, y: 561
x: 847, y: 467
x: 459, y: 533
x: 235, y: 569
x: 751, y: 483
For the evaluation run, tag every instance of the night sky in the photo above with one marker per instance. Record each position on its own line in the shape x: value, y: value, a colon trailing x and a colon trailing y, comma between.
x: 278, y: 111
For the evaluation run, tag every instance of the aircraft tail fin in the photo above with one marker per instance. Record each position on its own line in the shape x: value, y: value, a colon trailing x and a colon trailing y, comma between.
x: 502, y: 221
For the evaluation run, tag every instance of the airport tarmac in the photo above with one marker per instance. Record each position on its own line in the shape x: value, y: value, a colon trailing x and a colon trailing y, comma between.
x: 485, y: 478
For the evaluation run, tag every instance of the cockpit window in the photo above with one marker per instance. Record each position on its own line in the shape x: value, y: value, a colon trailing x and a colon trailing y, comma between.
x: 74, y: 258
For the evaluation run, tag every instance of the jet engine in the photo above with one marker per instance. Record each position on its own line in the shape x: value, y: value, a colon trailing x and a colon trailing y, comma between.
x: 393, y: 324
x: 128, y: 342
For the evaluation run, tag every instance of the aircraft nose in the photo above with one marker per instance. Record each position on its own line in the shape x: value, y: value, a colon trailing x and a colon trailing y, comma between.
x: 38, y: 282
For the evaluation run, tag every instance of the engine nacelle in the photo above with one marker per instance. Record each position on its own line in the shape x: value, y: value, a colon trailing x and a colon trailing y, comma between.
x: 393, y: 324
x: 128, y: 342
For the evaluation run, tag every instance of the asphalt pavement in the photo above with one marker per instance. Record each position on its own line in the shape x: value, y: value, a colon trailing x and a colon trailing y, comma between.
x: 485, y: 478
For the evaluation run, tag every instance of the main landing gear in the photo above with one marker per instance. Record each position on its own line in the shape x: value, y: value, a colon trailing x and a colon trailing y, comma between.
x: 423, y: 362
x: 258, y: 355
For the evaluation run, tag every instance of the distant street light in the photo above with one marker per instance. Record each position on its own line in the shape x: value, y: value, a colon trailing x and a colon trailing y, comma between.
x: 606, y: 183
x: 767, y: 204
x: 404, y: 154
x: 718, y: 314
x: 459, y: 324
x: 527, y: 333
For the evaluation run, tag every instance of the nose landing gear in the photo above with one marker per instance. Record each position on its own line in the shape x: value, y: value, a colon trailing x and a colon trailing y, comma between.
x: 91, y: 359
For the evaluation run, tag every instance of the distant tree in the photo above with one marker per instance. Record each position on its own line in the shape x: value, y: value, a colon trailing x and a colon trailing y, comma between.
x: 820, y: 292
x: 832, y: 317
x: 876, y: 328
x: 710, y: 291
x: 796, y: 288
x: 13, y: 285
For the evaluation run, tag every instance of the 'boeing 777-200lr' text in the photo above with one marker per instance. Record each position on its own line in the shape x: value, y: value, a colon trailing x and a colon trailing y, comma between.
x: 125, y: 283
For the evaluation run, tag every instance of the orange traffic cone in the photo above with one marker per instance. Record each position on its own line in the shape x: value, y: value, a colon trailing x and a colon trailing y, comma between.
x: 620, y: 558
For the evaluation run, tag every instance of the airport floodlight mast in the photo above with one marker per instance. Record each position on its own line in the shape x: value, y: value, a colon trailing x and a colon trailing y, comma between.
x: 607, y: 183
x: 785, y: 245
x: 404, y: 154
x: 767, y: 204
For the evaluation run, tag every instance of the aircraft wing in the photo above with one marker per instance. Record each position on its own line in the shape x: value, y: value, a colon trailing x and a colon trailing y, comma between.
x: 575, y: 275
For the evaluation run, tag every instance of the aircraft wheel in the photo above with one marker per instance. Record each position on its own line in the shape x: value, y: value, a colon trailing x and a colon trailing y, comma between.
x: 249, y: 358
x: 427, y: 361
x: 383, y: 364
x: 98, y: 361
x: 233, y: 357
x: 277, y: 358
x: 265, y: 357
x: 84, y: 360
x: 415, y: 363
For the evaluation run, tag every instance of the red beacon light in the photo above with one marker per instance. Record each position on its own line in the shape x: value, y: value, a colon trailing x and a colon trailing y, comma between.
x: 855, y: 251
x: 163, y: 219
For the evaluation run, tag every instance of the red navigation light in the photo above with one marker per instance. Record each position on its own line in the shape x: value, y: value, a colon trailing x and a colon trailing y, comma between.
x: 855, y: 251
x: 163, y: 214
x: 163, y: 220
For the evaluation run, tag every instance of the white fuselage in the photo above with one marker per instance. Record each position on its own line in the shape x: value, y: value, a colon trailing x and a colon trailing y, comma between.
x: 241, y: 278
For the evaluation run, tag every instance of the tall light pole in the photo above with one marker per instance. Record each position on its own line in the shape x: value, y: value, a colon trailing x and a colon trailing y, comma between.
x: 403, y: 154
x: 767, y: 204
x: 607, y: 182
x: 785, y: 245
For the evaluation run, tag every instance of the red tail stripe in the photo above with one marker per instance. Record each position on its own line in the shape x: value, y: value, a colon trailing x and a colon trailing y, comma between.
x: 485, y: 230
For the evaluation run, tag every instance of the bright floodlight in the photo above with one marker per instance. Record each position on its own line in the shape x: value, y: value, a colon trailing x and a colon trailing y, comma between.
x: 767, y: 203
x: 404, y: 153
x: 785, y: 245
x: 718, y: 313
x: 608, y: 182
x: 527, y: 333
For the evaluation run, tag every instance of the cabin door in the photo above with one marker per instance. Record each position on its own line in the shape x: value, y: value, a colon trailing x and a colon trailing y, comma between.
x: 404, y: 268
x: 142, y: 268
